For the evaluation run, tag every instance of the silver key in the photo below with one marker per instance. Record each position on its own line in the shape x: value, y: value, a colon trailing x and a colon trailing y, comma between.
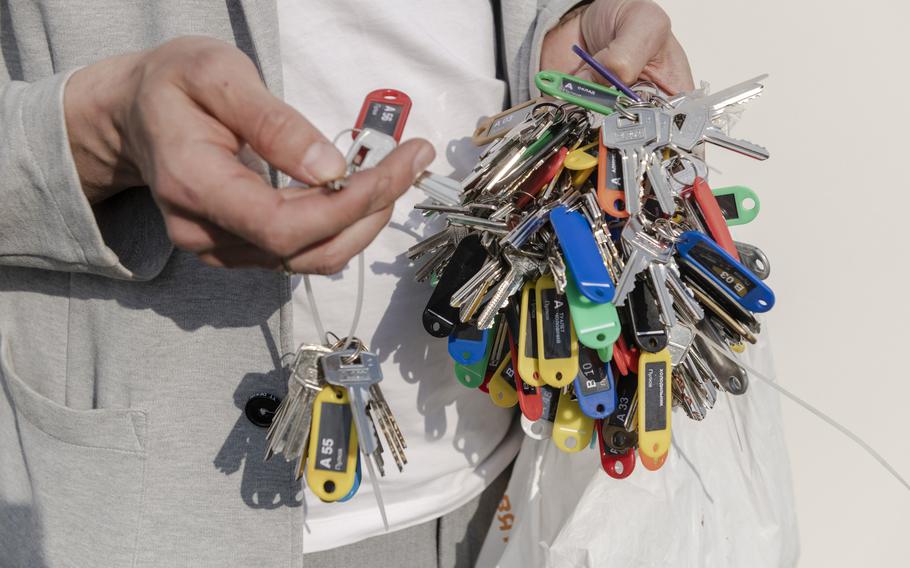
x: 679, y: 340
x: 644, y: 251
x: 359, y: 377
x: 691, y: 125
x: 290, y: 428
x: 754, y: 259
x: 356, y: 377
x: 521, y: 269
x: 731, y: 376
x: 442, y: 189
x: 630, y: 138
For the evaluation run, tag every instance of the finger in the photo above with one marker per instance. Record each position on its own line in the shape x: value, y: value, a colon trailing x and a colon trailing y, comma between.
x: 226, y: 83
x: 218, y: 188
x: 671, y: 71
x: 332, y: 255
x: 327, y: 257
x: 641, y: 31
x: 323, y: 213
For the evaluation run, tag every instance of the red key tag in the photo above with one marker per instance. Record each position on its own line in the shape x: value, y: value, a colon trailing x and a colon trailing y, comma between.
x: 385, y: 110
x: 617, y: 466
x: 712, y: 215
x: 624, y: 357
x: 540, y: 178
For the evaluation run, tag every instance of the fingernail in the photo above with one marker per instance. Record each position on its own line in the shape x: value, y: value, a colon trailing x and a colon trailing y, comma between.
x: 424, y: 158
x: 323, y: 162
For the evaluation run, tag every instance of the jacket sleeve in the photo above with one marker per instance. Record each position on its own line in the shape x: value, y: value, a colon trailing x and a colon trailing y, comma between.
x: 524, y: 26
x: 45, y: 219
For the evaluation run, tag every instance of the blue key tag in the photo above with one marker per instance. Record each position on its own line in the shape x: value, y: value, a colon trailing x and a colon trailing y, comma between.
x: 594, y: 386
x: 582, y: 255
x: 716, y: 264
x: 467, y: 344
x: 356, y: 483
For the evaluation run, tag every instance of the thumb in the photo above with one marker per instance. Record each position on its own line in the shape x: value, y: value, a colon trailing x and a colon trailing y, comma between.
x: 277, y: 132
x: 641, y: 30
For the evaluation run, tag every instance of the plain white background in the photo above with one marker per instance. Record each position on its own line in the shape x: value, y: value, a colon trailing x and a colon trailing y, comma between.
x: 833, y: 221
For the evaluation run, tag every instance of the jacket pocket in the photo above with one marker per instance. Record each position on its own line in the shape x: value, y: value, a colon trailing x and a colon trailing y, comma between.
x: 82, y: 476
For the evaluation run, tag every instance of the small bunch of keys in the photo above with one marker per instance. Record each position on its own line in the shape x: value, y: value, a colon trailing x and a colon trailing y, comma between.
x: 329, y: 418
x: 586, y: 272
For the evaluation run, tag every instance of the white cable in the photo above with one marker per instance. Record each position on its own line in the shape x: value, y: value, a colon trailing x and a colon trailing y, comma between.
x: 358, y: 306
x: 818, y: 413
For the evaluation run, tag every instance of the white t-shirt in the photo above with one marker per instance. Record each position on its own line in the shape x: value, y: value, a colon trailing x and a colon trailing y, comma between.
x: 442, y: 54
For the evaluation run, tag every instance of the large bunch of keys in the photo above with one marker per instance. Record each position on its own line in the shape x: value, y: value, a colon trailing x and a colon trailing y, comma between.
x: 586, y: 272
x: 329, y: 418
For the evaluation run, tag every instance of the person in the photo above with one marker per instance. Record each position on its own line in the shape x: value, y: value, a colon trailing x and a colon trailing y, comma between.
x: 146, y: 313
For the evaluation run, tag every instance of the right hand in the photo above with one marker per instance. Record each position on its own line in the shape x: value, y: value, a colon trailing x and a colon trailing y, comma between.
x: 175, y: 118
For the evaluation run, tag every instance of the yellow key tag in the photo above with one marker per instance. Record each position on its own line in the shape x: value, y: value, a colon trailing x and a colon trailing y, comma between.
x: 579, y: 159
x: 332, y: 455
x: 557, y: 360
x: 502, y: 385
x: 572, y: 429
x: 655, y: 398
x: 527, y: 337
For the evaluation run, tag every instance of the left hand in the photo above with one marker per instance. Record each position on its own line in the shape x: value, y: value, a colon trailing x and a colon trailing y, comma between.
x: 631, y: 38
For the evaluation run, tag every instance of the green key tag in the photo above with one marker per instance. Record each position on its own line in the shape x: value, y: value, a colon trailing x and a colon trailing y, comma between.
x: 538, y: 144
x: 472, y: 375
x: 738, y: 204
x: 605, y: 354
x: 578, y: 91
x: 596, y: 325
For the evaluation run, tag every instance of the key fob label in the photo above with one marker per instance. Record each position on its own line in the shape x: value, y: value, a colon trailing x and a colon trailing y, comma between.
x: 385, y: 110
x: 578, y: 91
x: 582, y: 256
x: 725, y: 271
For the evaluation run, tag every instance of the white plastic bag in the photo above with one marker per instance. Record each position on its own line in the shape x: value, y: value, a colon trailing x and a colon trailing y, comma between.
x: 724, y: 497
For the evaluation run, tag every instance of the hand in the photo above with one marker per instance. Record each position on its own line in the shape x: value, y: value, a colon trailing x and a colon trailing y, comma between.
x: 631, y: 38
x: 176, y: 117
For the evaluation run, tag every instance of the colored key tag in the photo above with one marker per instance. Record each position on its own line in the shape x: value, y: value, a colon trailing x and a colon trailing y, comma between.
x: 332, y: 454
x: 542, y: 428
x: 582, y: 256
x: 502, y: 385
x: 583, y: 93
x: 467, y: 344
x: 711, y: 214
x: 606, y: 353
x: 594, y: 385
x: 725, y: 271
x: 385, y: 110
x: 738, y: 204
x: 572, y: 429
x: 540, y: 178
x: 579, y: 159
x: 357, y: 477
x: 528, y: 363
x: 596, y: 325
x: 617, y: 466
x: 610, y: 194
x: 472, y: 376
x: 439, y: 317
x: 655, y: 401
x: 499, y: 125
x: 624, y: 357
x: 558, y: 347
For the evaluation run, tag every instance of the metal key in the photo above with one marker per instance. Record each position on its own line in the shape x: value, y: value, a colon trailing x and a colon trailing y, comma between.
x: 359, y: 372
x: 290, y: 428
x: 521, y: 269
x: 630, y: 138
x: 644, y: 251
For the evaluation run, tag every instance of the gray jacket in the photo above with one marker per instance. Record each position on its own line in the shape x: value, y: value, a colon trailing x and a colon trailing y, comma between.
x: 125, y: 364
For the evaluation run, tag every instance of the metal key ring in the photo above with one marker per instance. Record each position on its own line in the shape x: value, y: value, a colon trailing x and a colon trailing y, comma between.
x: 622, y: 103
